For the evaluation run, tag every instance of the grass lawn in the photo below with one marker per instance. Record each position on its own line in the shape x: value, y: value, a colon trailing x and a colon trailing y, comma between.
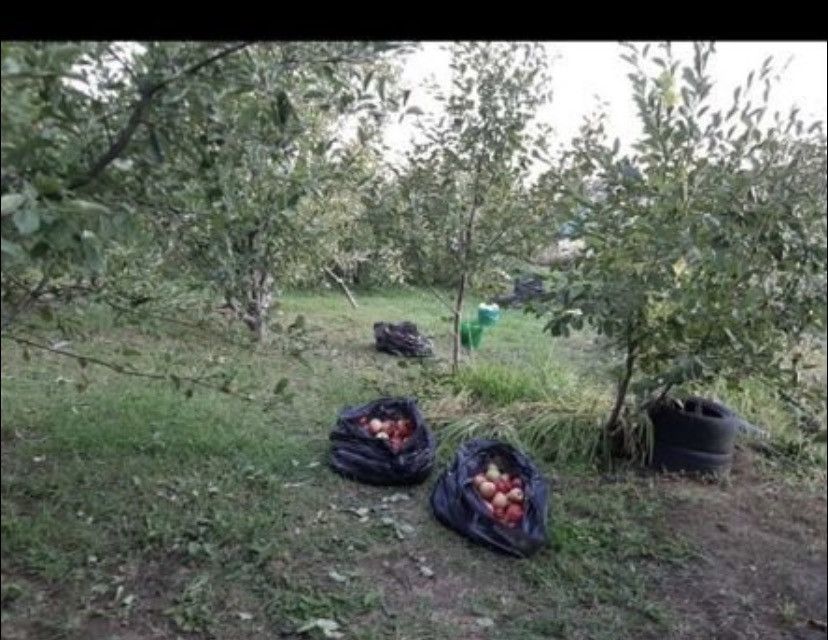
x: 131, y: 511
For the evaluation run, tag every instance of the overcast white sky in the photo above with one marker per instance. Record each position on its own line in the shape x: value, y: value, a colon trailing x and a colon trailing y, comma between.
x: 582, y: 70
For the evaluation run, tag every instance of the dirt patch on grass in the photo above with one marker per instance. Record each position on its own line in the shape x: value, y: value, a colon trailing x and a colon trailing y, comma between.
x: 762, y: 570
x: 126, y: 603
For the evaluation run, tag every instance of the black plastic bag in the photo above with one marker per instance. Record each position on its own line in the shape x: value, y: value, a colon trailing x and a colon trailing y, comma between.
x: 401, y: 340
x: 526, y: 288
x: 358, y: 455
x: 456, y: 504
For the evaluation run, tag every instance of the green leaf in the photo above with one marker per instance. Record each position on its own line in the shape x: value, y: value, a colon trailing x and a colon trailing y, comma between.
x: 329, y: 628
x: 12, y: 248
x: 298, y: 324
x: 88, y: 207
x: 129, y: 351
x: 48, y: 185
x: 27, y: 221
x: 367, y: 80
x: 11, y: 202
x: 280, y: 386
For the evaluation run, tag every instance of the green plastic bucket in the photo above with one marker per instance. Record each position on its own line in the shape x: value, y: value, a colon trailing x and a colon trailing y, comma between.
x: 471, y: 333
x: 487, y: 317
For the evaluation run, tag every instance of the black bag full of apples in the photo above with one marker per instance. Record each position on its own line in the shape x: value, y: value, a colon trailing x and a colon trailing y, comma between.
x: 494, y: 495
x: 385, y: 442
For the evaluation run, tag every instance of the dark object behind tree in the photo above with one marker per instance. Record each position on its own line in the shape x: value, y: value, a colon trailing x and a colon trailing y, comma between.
x: 526, y: 288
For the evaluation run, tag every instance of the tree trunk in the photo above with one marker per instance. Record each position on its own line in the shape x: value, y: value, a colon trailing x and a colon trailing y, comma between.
x: 258, y: 306
x: 621, y: 392
x: 620, y: 396
x: 458, y: 312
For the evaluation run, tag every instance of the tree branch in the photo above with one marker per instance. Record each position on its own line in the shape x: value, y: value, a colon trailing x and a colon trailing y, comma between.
x: 342, y: 284
x: 139, y: 110
x: 128, y: 370
x: 25, y: 302
x: 198, y: 66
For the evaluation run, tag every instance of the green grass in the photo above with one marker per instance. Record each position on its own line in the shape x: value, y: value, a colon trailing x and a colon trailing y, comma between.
x: 212, y: 516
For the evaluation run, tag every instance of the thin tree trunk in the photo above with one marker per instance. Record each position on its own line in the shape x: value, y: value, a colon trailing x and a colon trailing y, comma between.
x: 464, y: 275
x: 261, y: 330
x: 458, y: 312
x: 342, y: 284
x: 621, y: 392
x: 259, y: 302
x: 620, y: 396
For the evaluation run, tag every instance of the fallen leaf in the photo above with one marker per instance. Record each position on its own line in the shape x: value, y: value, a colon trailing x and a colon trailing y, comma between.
x: 396, y: 497
x: 428, y: 573
x: 329, y: 628
x: 337, y: 577
x: 484, y: 622
x: 243, y: 615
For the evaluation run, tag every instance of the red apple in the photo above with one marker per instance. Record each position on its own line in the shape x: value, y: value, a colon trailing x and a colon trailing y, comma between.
x: 478, y: 480
x: 506, y: 477
x: 515, y: 495
x: 500, y: 500
x: 517, y: 482
x: 487, y: 489
x: 382, y: 435
x: 375, y: 425
x: 498, y: 512
x: 514, y: 512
